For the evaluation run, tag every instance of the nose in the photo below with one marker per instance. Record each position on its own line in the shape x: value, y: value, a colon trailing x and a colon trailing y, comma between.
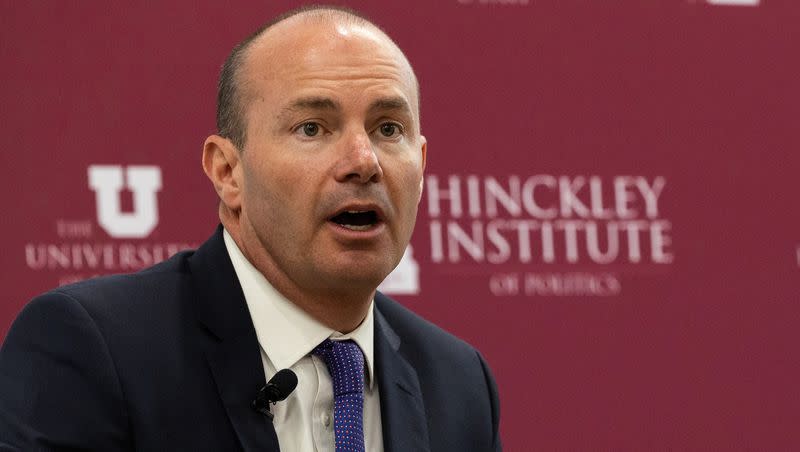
x: 358, y: 161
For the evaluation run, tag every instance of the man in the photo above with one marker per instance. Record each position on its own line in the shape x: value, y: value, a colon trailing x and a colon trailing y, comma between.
x: 318, y: 166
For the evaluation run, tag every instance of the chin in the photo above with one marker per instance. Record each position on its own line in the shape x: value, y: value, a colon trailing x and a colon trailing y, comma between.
x: 362, y: 274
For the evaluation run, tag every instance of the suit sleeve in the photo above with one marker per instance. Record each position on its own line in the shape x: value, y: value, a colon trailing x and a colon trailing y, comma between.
x: 58, y: 386
x: 497, y: 445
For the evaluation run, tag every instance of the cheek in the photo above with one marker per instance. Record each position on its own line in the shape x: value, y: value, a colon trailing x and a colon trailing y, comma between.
x: 262, y: 194
x: 285, y: 193
x: 267, y: 178
x: 407, y: 188
x: 412, y: 174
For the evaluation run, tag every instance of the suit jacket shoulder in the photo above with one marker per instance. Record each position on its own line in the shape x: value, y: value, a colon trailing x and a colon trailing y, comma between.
x: 456, y: 387
x: 164, y: 359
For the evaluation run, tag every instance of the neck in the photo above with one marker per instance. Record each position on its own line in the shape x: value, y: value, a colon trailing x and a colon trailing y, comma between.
x: 342, y: 309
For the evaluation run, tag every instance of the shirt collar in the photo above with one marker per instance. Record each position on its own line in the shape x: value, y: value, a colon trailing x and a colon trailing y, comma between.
x: 285, y: 332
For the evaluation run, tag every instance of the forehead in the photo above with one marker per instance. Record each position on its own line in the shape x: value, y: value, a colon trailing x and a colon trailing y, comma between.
x: 327, y: 55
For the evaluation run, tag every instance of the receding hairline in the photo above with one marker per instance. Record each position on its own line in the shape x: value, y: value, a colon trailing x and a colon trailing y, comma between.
x: 232, y: 96
x: 324, y: 14
x: 320, y: 14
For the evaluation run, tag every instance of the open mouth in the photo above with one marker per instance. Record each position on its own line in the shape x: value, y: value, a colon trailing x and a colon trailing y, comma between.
x: 356, y: 220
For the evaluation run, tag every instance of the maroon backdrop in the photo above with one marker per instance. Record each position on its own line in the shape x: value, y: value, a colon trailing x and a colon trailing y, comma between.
x: 610, y: 214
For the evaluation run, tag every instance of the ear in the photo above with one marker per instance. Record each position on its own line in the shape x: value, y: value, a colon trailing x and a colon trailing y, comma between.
x: 424, y: 150
x: 221, y: 165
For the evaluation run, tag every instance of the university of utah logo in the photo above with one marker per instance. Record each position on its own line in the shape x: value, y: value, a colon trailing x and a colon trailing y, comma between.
x: 78, y: 252
x: 107, y: 181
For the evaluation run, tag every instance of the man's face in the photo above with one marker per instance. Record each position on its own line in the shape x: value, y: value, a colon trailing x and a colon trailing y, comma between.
x: 333, y: 161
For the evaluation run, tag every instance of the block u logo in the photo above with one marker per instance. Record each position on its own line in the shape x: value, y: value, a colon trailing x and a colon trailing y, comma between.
x: 143, y: 181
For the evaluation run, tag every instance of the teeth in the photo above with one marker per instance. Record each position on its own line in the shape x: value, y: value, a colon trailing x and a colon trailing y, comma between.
x: 357, y: 227
x: 356, y: 211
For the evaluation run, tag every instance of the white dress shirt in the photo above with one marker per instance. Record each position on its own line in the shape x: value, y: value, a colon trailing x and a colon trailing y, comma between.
x: 287, y: 334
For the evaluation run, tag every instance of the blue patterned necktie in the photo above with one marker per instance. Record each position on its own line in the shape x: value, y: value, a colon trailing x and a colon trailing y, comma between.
x: 346, y: 365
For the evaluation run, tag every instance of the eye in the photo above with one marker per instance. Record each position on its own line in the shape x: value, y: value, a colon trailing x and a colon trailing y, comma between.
x: 310, y: 129
x: 390, y: 129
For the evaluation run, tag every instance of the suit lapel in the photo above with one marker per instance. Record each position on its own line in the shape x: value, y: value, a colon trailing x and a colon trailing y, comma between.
x: 233, y: 352
x: 402, y: 408
x: 235, y: 361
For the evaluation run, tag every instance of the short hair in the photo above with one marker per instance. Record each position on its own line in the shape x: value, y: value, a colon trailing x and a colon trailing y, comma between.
x: 231, y: 122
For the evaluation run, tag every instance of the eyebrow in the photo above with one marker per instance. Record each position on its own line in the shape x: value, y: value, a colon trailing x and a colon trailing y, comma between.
x: 313, y: 103
x: 390, y: 103
x: 395, y: 103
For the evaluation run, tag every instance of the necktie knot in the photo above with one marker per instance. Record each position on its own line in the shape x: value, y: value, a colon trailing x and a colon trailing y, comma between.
x: 345, y: 363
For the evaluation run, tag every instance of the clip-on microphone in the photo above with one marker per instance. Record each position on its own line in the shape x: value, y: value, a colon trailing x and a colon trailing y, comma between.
x: 278, y: 388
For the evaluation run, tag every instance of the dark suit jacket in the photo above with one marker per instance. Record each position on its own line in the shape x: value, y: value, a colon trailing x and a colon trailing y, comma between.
x: 167, y: 359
